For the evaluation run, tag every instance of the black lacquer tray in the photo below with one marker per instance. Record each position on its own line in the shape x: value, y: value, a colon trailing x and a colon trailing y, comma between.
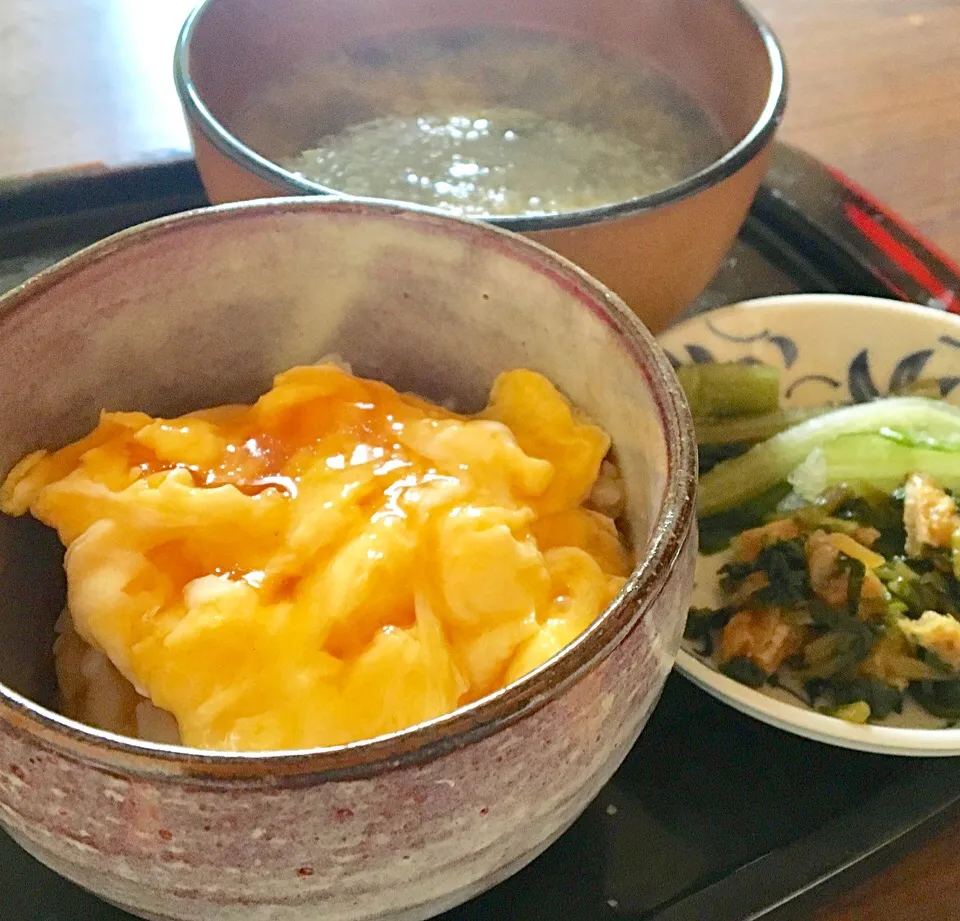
x: 713, y: 817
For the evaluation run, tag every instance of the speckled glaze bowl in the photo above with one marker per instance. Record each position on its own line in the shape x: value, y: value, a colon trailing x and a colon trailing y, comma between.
x: 204, y: 308
x: 658, y: 251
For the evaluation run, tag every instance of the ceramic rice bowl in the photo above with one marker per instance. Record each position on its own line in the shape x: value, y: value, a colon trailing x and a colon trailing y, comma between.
x: 203, y: 308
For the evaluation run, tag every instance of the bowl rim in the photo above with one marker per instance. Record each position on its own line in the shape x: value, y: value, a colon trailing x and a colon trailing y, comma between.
x: 731, y: 161
x: 670, y: 531
x: 791, y: 717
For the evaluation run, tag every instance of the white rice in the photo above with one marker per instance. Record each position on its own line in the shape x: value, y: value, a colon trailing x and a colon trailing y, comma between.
x: 94, y: 692
x: 608, y: 496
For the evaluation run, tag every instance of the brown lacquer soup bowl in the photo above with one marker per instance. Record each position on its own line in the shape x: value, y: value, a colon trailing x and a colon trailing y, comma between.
x: 202, y: 309
x: 656, y: 249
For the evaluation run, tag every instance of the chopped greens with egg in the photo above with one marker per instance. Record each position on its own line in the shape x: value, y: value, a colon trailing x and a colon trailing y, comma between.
x: 840, y: 531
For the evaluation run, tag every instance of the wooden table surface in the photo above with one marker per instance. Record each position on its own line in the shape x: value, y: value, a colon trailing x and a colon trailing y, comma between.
x: 875, y: 91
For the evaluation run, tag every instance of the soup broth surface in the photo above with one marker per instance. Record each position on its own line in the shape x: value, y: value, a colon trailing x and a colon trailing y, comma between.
x: 482, y: 122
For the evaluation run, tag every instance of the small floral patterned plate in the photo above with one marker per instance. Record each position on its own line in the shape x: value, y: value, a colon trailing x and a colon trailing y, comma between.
x: 829, y: 348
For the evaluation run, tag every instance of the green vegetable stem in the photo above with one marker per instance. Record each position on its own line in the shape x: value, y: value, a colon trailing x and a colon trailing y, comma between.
x: 878, y: 461
x: 733, y: 482
x: 712, y: 431
x: 730, y: 389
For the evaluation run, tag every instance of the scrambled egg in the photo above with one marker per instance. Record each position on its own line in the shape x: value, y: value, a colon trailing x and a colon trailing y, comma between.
x: 937, y: 633
x: 334, y: 562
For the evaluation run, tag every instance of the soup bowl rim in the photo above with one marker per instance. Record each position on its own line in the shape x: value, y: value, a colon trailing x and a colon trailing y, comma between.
x: 734, y: 158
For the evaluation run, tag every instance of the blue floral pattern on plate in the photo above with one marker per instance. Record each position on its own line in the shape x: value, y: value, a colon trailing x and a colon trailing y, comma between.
x: 859, y: 378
